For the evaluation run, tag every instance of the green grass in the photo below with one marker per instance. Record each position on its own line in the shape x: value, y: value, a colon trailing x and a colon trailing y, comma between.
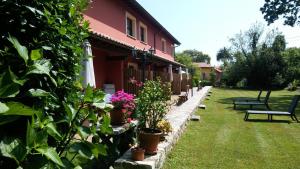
x: 222, y: 139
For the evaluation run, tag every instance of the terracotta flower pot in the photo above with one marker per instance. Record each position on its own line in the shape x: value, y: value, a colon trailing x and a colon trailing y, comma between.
x: 117, y: 117
x: 149, y: 139
x: 138, y: 154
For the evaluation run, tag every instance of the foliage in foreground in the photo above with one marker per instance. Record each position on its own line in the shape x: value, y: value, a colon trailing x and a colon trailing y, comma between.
x: 42, y: 107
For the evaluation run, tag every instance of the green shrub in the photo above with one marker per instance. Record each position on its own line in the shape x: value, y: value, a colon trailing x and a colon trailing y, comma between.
x: 205, y: 83
x: 42, y: 107
x: 152, y: 104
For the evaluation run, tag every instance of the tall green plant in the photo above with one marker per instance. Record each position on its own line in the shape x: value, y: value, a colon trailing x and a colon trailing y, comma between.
x: 152, y: 104
x: 42, y: 107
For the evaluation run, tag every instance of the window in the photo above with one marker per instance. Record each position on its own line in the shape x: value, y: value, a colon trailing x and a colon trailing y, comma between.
x: 163, y: 45
x: 143, y: 33
x: 173, y: 50
x: 130, y: 25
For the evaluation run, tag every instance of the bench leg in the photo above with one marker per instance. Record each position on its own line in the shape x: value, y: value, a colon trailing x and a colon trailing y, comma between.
x: 292, y: 117
x: 271, y: 117
x: 234, y: 106
x: 246, y: 116
x: 296, y: 118
x: 268, y: 107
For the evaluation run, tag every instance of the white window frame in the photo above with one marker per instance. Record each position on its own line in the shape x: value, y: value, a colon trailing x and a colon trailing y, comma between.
x: 163, y: 45
x: 141, y: 25
x: 131, y: 17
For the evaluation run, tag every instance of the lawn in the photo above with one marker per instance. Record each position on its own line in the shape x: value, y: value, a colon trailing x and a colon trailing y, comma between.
x: 222, y: 139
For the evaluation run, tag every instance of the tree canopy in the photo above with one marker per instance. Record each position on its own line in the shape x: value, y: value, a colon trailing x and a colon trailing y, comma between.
x: 197, y: 56
x: 288, y: 9
x: 257, y: 63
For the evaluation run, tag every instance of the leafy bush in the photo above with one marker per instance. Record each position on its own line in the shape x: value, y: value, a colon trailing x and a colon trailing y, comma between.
x: 42, y: 107
x: 205, y: 83
x: 152, y: 104
x: 293, y: 85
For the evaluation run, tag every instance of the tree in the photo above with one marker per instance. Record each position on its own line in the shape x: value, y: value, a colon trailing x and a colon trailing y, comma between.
x: 197, y: 56
x: 184, y: 59
x: 292, y: 58
x: 224, y: 55
x: 288, y: 9
x: 257, y: 63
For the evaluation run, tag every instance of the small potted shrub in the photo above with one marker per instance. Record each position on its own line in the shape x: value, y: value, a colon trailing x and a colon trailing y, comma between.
x: 124, y: 105
x: 152, y: 106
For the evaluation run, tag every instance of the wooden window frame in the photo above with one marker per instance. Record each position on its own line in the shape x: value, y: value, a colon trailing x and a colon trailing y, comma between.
x: 163, y: 45
x: 133, y: 19
x: 141, y: 25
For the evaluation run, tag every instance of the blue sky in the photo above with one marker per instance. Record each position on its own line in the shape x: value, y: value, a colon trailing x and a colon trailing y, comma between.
x: 207, y: 25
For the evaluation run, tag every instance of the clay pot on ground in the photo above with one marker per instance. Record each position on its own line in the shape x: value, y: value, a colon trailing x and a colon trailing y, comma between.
x: 117, y: 117
x: 149, y: 140
x: 138, y: 154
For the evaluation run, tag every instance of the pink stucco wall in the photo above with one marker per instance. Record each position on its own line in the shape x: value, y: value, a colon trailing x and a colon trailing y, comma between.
x: 108, y: 17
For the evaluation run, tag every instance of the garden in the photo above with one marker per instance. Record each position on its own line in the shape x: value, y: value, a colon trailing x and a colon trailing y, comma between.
x: 222, y: 139
x: 48, y: 118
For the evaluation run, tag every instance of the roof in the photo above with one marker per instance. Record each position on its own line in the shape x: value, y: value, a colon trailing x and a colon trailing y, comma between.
x: 143, y: 12
x: 128, y: 46
x: 202, y: 64
x: 218, y: 70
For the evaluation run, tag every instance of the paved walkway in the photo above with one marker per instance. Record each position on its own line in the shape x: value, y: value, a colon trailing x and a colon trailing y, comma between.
x: 178, y: 117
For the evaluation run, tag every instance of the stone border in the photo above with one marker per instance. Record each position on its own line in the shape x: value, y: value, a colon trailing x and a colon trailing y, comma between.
x: 178, y: 117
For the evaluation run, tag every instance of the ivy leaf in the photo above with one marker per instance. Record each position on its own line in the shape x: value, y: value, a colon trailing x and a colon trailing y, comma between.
x: 84, y: 132
x: 105, y: 127
x: 71, y: 112
x: 51, y: 154
x: 98, y: 149
x: 34, y: 10
x: 88, y: 96
x: 42, y: 67
x: 13, y: 148
x: 36, y: 54
x: 83, y: 150
x: 16, y: 108
x: 22, y: 50
x: 30, y: 135
x: 51, y: 129
x: 3, y: 108
x: 9, y: 84
x: 46, y: 47
x: 38, y: 93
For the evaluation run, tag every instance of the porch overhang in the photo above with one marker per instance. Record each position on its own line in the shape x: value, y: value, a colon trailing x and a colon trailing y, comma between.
x: 127, y: 47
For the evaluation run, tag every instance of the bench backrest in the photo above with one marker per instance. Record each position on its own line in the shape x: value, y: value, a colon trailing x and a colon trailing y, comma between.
x: 267, y: 96
x: 294, y: 103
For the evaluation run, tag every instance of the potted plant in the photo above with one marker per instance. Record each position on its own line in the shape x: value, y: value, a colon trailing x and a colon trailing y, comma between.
x: 124, y: 105
x: 152, y: 106
x: 137, y: 153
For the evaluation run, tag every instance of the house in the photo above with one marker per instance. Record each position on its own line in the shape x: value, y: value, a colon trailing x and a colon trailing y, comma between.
x: 128, y: 43
x: 206, y: 69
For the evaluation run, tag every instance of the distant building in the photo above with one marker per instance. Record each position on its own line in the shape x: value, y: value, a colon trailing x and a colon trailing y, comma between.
x: 206, y: 69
